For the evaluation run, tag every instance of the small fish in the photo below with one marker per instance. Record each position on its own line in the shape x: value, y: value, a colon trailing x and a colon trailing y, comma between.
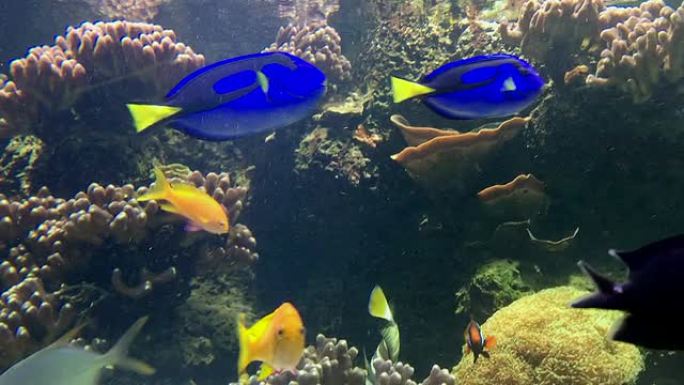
x: 651, y: 296
x: 277, y: 340
x: 476, y: 342
x: 237, y: 97
x: 202, y: 211
x: 63, y: 364
x: 389, y: 346
x: 378, y: 307
x: 488, y: 86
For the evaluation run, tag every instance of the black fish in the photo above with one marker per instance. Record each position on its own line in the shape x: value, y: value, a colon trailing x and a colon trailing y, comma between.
x: 652, y: 296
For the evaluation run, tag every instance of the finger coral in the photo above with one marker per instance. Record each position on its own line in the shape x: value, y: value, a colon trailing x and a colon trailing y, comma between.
x: 542, y: 341
x: 553, y: 31
x: 109, y: 56
x: 331, y: 362
x: 640, y: 47
x: 47, y: 242
x: 643, y: 48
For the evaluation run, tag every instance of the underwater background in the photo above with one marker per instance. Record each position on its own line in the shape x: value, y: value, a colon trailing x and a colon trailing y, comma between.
x: 354, y: 196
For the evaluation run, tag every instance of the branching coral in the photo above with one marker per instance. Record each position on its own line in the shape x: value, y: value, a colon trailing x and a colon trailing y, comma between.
x: 557, y: 345
x: 554, y: 32
x: 641, y: 45
x: 91, y: 58
x: 47, y: 242
x: 644, y: 48
x: 331, y: 362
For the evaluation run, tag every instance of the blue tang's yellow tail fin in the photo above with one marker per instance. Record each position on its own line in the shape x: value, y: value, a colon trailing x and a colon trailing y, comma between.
x: 146, y: 115
x: 403, y: 89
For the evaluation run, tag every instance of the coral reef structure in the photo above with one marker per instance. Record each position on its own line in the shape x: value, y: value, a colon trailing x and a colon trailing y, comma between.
x: 48, y: 242
x: 317, y: 43
x: 442, y: 158
x: 331, y: 362
x: 541, y: 340
x: 644, y: 49
x: 101, y: 56
x: 640, y: 47
x: 133, y: 10
x: 494, y: 285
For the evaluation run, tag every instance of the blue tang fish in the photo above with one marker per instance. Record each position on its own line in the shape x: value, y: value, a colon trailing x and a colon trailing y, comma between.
x: 488, y: 86
x: 237, y: 97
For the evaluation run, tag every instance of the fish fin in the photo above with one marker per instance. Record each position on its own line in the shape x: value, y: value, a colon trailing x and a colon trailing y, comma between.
x: 485, y: 354
x: 403, y: 89
x: 243, y: 338
x: 508, y: 85
x: 136, y: 366
x: 475, y: 357
x: 605, y: 298
x: 147, y: 115
x: 68, y: 336
x: 644, y: 331
x: 378, y: 306
x: 265, y: 370
x: 161, y: 188
x: 117, y: 355
x: 636, y: 259
x: 466, y: 350
x: 490, y: 342
x: 263, y: 82
x: 603, y: 284
x: 192, y: 227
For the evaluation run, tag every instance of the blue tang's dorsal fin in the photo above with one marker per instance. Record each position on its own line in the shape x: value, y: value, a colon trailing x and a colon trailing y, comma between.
x: 463, y: 63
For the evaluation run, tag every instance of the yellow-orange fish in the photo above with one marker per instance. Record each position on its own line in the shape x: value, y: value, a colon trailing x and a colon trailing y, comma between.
x: 277, y: 340
x: 201, y: 210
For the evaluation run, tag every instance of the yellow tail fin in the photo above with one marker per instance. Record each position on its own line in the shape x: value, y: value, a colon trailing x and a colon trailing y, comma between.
x: 160, y: 190
x: 243, y: 358
x: 146, y: 115
x: 403, y: 89
x: 378, y: 306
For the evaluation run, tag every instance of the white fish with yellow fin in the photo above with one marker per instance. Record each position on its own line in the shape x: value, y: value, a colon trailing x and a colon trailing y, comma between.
x: 63, y: 364
x: 388, y: 348
x: 277, y: 340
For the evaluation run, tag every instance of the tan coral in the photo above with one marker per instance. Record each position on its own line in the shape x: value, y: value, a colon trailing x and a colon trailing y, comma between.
x: 521, y: 198
x: 317, y: 43
x: 448, y: 156
x: 554, y: 31
x: 557, y: 345
x: 643, y: 49
x: 45, y: 240
x: 52, y: 78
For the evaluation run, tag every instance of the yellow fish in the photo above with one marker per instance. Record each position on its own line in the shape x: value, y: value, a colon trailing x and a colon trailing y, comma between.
x: 277, y: 340
x: 201, y: 210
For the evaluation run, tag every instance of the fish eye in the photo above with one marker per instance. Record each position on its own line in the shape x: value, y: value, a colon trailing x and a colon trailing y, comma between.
x: 281, y: 332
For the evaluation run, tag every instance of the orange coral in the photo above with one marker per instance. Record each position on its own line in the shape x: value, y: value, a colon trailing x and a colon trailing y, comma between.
x: 445, y: 155
x: 520, y: 198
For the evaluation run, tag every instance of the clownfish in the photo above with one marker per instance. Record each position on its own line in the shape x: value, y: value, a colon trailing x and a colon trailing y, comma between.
x: 476, y: 342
